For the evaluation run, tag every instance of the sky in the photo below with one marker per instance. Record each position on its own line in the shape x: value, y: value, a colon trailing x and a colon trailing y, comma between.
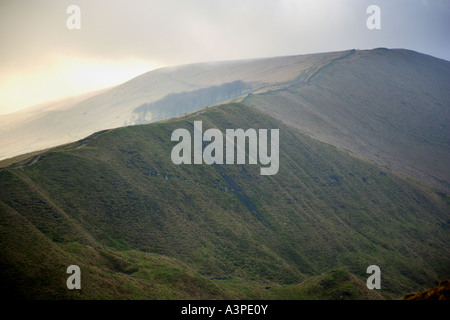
x: 41, y: 59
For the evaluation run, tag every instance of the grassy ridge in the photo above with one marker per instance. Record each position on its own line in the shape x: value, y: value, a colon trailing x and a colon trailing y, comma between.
x: 117, y: 205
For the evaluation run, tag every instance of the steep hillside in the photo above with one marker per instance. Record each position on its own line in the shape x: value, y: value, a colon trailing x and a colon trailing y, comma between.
x: 389, y: 106
x: 114, y: 203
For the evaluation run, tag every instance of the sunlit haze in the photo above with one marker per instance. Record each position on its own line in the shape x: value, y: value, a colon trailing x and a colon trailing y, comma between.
x: 41, y: 59
x: 65, y: 77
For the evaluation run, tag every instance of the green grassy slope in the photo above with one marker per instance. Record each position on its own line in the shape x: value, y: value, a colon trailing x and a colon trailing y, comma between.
x: 33, y: 266
x: 116, y: 205
x: 334, y: 285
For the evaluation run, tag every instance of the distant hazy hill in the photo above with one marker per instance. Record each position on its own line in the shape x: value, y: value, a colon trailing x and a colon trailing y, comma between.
x: 390, y: 106
x: 141, y: 227
x: 134, y: 102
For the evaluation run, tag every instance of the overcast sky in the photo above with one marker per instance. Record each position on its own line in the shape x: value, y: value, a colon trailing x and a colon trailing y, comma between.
x: 41, y: 59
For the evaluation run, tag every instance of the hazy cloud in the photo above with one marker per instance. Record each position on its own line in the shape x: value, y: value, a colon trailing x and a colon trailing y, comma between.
x: 34, y: 33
